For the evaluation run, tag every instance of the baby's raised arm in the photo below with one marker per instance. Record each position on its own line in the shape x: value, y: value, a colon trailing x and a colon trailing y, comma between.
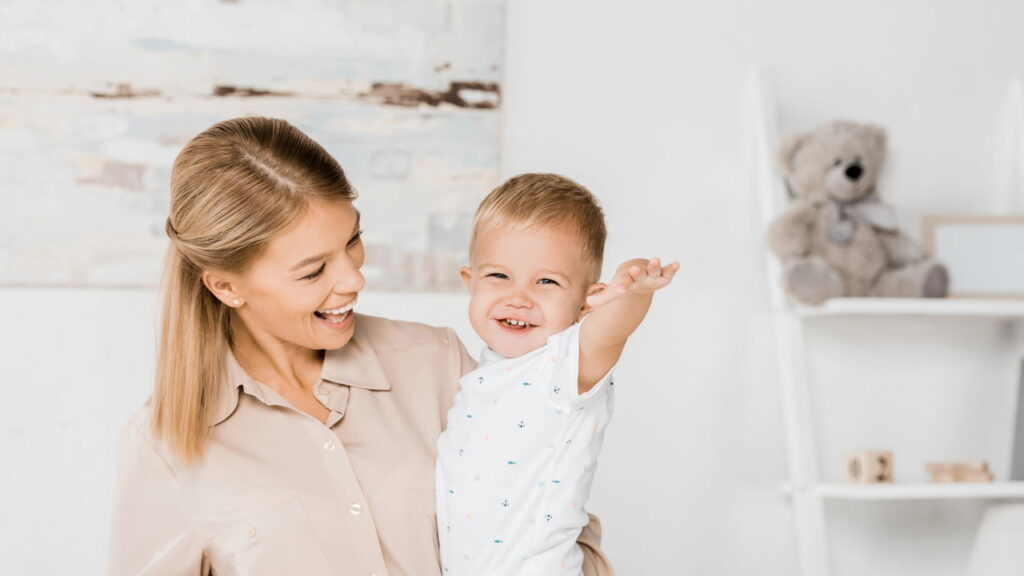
x: 615, y: 312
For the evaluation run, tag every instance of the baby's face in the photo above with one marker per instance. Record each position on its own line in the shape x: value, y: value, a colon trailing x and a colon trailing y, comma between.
x: 525, y: 286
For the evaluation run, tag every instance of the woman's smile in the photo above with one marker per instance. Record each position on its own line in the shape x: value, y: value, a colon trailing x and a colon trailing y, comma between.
x: 337, y: 318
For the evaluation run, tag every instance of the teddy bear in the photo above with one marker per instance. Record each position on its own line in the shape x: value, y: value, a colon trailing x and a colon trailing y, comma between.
x: 837, y: 238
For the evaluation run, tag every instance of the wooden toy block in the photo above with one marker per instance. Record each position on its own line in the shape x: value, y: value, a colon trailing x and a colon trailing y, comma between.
x: 869, y: 467
x: 967, y: 471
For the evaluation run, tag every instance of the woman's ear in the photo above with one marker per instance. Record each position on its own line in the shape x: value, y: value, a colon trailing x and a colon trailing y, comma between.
x: 593, y: 289
x: 223, y: 288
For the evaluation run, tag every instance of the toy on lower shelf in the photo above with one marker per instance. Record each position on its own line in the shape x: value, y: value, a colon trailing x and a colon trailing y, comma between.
x: 869, y: 467
x: 976, y: 471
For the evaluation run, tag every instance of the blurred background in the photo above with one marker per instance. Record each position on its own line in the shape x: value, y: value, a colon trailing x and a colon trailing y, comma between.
x: 655, y: 105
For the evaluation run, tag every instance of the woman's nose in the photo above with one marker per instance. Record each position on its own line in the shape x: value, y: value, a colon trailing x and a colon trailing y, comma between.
x: 349, y: 279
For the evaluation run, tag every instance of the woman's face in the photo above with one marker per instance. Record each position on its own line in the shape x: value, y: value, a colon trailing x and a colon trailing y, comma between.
x: 302, y: 288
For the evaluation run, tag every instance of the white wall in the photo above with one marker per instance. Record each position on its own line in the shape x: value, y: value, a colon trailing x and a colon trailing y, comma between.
x: 645, y: 103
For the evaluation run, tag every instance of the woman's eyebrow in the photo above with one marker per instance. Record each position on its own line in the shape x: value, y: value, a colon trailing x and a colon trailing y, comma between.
x: 307, y: 261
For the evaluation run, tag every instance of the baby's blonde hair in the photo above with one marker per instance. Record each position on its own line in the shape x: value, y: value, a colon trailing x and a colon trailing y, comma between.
x: 534, y: 201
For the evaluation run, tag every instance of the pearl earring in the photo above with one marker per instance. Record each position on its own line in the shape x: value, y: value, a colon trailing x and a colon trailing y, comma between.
x: 236, y: 302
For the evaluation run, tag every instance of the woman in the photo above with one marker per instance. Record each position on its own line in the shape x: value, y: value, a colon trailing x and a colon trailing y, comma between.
x: 286, y: 434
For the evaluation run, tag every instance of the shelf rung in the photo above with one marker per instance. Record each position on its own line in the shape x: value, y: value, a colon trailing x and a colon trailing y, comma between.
x: 922, y: 491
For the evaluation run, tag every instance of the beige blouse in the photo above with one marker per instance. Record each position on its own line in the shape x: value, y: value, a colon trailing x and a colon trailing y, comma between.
x: 279, y: 492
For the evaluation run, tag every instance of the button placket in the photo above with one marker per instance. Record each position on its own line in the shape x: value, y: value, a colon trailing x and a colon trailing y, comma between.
x: 346, y: 488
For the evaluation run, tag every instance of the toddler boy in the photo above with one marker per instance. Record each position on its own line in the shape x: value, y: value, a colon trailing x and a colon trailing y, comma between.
x: 516, y: 461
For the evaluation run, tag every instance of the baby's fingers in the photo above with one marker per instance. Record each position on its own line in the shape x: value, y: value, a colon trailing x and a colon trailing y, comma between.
x: 670, y: 270
x: 654, y: 267
x: 659, y: 275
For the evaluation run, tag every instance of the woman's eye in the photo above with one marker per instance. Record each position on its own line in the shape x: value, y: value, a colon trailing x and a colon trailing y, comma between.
x: 356, y: 239
x: 316, y: 274
x: 547, y: 281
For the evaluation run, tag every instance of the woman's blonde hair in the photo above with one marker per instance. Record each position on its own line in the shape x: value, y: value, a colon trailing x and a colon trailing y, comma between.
x: 234, y: 187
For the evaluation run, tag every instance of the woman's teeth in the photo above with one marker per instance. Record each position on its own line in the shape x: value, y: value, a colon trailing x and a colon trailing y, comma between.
x: 332, y: 318
x: 335, y: 315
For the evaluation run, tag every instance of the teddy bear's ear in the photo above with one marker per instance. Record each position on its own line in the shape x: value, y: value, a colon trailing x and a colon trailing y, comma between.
x: 786, y: 152
x: 877, y: 136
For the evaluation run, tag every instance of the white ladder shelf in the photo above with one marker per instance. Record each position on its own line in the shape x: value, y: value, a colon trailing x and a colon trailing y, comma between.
x: 808, y: 495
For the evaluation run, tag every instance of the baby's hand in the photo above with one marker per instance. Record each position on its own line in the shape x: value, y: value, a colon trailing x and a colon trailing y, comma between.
x: 635, y: 277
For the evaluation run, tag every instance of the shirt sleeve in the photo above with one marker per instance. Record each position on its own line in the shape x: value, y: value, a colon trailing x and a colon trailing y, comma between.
x: 466, y: 363
x: 460, y: 364
x: 564, y: 356
x: 595, y: 563
x: 151, y: 533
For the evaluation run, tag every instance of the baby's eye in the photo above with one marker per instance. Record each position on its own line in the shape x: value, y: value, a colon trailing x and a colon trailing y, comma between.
x: 497, y: 275
x: 316, y: 274
x: 547, y: 281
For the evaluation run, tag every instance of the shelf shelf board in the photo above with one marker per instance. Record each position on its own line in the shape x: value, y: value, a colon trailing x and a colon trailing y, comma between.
x: 967, y: 307
x: 922, y: 491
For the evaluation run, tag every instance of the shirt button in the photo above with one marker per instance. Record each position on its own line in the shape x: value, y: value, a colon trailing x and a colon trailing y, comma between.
x: 252, y: 532
x: 329, y: 446
x: 355, y: 509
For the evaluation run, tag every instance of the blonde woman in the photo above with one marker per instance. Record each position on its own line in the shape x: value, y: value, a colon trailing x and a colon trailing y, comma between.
x: 286, y: 434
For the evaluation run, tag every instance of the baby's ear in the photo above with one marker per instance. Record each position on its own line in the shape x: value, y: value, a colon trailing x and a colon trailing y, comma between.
x: 466, y: 276
x: 593, y: 289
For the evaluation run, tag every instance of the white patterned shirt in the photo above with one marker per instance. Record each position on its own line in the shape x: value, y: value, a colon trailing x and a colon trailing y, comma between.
x: 516, y: 463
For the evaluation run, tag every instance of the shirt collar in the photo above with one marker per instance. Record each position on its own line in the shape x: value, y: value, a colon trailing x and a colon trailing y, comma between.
x: 488, y: 356
x: 356, y: 364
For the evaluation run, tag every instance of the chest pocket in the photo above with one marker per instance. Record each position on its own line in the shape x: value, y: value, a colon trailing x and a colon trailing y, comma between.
x: 277, y: 540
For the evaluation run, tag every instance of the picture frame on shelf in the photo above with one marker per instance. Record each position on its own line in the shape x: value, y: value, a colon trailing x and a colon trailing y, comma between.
x: 983, y: 253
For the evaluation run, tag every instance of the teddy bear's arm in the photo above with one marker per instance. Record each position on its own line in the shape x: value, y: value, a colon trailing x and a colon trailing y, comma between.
x: 790, y: 233
x: 901, y: 249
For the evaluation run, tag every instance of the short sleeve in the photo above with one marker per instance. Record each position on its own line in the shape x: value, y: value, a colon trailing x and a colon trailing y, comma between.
x: 563, y: 354
x: 151, y: 533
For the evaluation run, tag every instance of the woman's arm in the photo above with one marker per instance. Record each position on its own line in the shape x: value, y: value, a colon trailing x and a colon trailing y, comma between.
x: 595, y: 563
x: 152, y: 533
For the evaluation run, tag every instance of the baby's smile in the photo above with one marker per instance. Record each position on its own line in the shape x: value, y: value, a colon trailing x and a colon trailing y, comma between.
x: 511, y: 323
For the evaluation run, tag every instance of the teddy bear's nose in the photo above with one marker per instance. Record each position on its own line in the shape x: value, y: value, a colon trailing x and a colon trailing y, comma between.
x: 854, y: 171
